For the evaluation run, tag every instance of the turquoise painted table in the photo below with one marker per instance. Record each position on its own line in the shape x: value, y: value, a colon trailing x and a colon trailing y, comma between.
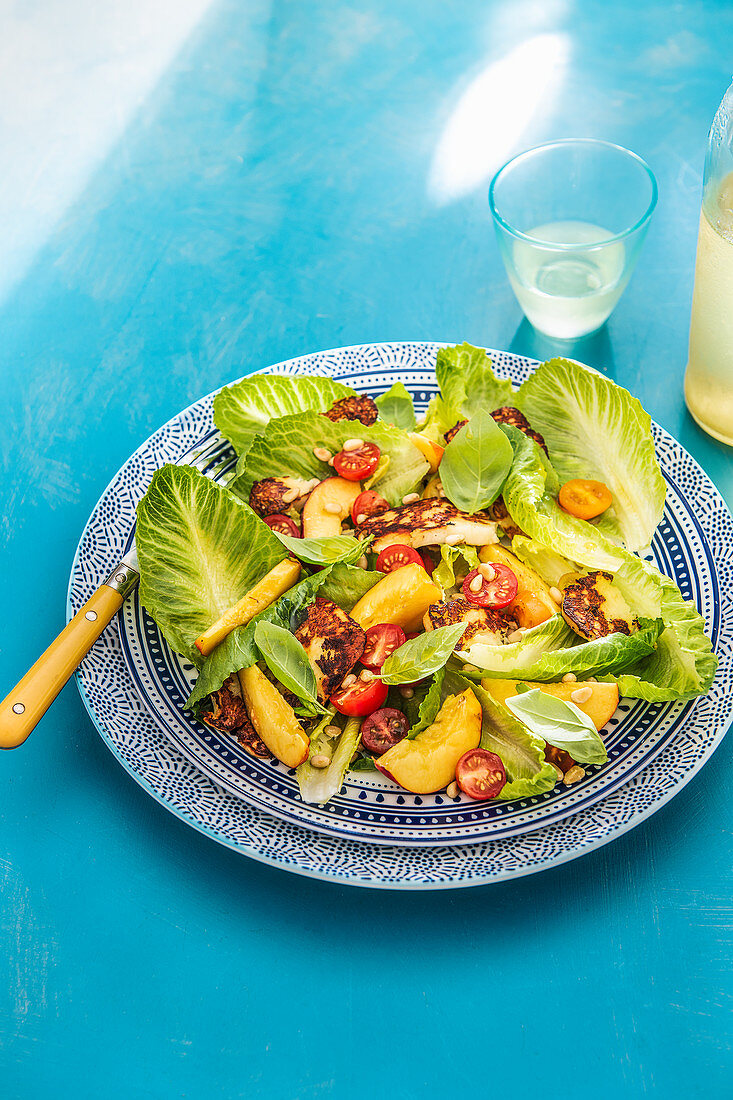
x: 191, y: 191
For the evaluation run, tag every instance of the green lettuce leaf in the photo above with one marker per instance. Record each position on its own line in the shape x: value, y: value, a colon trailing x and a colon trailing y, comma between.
x: 444, y: 573
x: 239, y: 650
x: 550, y: 566
x: 475, y: 464
x: 243, y: 410
x: 318, y: 785
x: 548, y: 651
x: 468, y: 383
x: 429, y: 706
x: 287, y: 445
x: 396, y: 407
x: 521, y: 752
x: 200, y: 552
x: 596, y: 430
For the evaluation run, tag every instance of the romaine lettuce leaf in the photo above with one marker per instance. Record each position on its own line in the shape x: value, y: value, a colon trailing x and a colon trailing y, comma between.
x: 549, y: 565
x: 596, y: 430
x: 429, y: 706
x: 317, y: 785
x: 468, y: 383
x: 396, y: 407
x: 521, y: 752
x: 444, y: 572
x: 200, y: 551
x: 287, y: 445
x: 548, y: 651
x: 683, y: 664
x: 243, y: 410
x: 239, y: 650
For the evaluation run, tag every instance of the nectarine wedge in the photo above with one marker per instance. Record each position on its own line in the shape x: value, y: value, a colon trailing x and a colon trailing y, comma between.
x: 599, y: 707
x: 401, y: 597
x: 428, y: 762
x: 273, y: 718
x: 328, y: 506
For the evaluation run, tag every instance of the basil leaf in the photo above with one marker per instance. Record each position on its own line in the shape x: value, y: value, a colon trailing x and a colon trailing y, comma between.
x: 363, y: 764
x: 561, y: 724
x: 396, y: 407
x: 420, y: 657
x: 476, y: 463
x: 324, y: 551
x: 429, y: 706
x: 286, y: 659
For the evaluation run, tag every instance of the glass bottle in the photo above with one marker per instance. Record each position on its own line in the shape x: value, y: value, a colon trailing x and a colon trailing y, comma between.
x: 709, y: 376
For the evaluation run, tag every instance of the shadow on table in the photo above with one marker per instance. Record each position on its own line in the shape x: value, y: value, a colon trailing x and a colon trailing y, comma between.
x: 596, y: 349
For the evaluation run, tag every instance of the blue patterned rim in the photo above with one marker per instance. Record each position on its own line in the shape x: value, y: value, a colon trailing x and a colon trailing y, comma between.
x: 642, y: 740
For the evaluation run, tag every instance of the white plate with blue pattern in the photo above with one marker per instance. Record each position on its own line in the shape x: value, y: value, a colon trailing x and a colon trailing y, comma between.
x: 373, y: 833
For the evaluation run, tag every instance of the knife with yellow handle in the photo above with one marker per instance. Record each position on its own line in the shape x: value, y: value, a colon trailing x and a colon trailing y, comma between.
x: 29, y: 700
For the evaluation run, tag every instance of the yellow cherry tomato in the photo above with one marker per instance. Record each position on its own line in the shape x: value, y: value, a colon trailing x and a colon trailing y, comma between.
x: 585, y: 499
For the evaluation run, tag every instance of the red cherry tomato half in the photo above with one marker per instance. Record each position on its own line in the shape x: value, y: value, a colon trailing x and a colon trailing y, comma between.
x: 480, y: 774
x: 395, y: 556
x: 357, y: 464
x: 284, y: 525
x: 368, y: 504
x: 498, y: 592
x: 360, y: 698
x: 427, y: 562
x: 381, y: 640
x: 383, y: 729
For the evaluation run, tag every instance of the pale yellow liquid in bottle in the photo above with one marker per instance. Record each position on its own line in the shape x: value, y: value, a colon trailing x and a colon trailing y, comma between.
x: 709, y: 377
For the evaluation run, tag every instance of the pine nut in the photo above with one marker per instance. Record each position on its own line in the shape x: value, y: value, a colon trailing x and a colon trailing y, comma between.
x: 487, y: 571
x: 556, y: 594
x: 361, y: 517
x: 515, y: 636
x: 441, y: 494
x: 452, y: 790
x: 581, y: 694
x: 366, y: 675
x: 407, y: 692
x: 352, y: 445
x: 348, y: 680
x: 451, y: 540
x: 332, y: 509
x: 290, y: 496
x: 322, y: 454
x: 330, y: 462
x: 439, y: 485
x: 592, y: 680
x: 569, y: 678
x: 320, y: 760
x: 559, y: 771
x: 410, y: 498
x: 470, y: 668
x: 573, y: 775
x: 332, y: 731
x: 477, y: 583
x: 362, y: 562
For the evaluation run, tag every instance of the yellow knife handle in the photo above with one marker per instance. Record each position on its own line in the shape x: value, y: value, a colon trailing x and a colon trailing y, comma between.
x: 27, y: 703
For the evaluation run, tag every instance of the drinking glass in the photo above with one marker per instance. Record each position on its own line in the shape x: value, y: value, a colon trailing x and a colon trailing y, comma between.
x: 570, y: 217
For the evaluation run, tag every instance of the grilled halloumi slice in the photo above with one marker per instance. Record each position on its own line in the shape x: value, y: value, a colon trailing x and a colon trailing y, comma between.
x: 484, y: 623
x: 428, y: 522
x: 333, y: 643
x: 277, y: 495
x: 594, y: 607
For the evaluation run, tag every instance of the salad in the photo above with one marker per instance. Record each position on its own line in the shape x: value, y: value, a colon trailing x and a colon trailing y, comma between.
x: 457, y: 602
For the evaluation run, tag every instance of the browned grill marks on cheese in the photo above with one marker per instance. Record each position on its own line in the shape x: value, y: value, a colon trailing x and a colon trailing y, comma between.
x: 481, y: 620
x: 584, y: 608
x: 333, y: 643
x: 360, y: 408
x: 507, y: 414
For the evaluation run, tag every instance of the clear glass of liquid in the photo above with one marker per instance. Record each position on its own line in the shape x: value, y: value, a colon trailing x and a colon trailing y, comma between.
x: 709, y: 375
x: 570, y: 218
